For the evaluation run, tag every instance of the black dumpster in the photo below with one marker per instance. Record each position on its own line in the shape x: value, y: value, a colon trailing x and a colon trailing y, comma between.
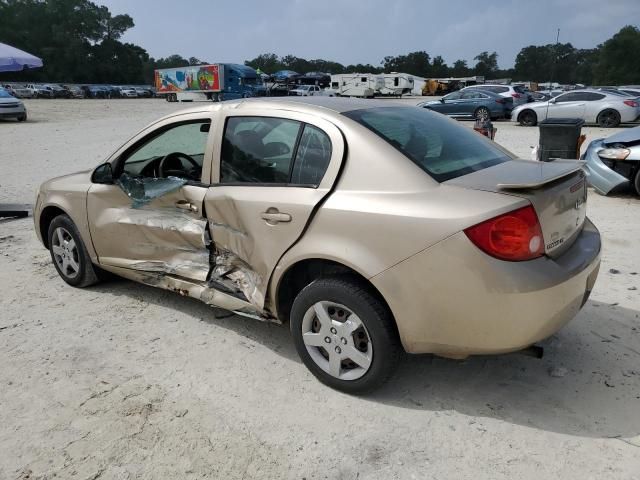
x: 559, y: 138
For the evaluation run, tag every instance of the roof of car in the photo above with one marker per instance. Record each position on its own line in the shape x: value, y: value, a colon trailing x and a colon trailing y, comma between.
x: 334, y: 104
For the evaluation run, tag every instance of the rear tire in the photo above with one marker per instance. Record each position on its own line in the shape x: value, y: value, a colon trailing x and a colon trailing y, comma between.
x: 345, y: 303
x: 608, y: 118
x: 528, y: 118
x: 69, y: 254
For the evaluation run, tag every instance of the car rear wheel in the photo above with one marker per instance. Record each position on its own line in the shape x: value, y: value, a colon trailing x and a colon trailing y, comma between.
x: 482, y: 113
x: 528, y: 118
x: 344, y: 334
x: 608, y: 119
x: 69, y: 254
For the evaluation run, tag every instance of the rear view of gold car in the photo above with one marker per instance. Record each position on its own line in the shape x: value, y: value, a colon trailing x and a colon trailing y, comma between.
x: 371, y: 228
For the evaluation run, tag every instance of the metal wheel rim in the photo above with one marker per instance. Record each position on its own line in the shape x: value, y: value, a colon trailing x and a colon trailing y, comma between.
x: 608, y: 119
x: 341, y: 348
x: 527, y: 118
x: 482, y: 114
x: 65, y: 252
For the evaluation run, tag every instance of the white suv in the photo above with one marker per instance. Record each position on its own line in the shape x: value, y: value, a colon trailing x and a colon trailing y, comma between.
x: 516, y: 92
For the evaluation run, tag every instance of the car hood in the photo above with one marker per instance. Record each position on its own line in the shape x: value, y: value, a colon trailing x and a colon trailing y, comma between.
x: 10, y: 100
x: 627, y: 136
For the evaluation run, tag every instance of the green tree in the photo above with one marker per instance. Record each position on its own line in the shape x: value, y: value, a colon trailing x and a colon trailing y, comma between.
x: 266, y: 62
x: 487, y: 64
x: 459, y: 69
x: 619, y: 58
x: 415, y: 63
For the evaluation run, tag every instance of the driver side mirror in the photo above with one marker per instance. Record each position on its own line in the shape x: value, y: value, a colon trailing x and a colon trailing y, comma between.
x: 552, y: 100
x: 103, y: 174
x: 442, y: 100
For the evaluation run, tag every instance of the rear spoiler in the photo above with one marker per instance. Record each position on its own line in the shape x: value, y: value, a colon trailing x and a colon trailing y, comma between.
x: 572, y: 166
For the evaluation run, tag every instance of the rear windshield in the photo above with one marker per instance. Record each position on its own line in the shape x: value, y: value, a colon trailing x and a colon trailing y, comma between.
x: 438, y: 145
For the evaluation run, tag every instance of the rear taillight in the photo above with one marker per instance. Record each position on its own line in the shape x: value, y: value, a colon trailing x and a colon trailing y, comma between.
x: 500, y: 100
x: 516, y: 95
x: 631, y: 103
x: 513, y: 236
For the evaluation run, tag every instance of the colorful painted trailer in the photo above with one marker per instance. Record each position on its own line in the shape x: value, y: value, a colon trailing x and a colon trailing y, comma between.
x: 215, y: 82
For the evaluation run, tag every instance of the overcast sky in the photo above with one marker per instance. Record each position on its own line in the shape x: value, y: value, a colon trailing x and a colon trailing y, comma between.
x: 365, y: 31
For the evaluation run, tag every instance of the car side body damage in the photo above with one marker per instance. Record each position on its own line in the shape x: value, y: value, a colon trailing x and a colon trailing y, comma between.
x: 368, y: 206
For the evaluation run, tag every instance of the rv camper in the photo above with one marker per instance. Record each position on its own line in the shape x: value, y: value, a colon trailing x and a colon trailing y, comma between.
x: 396, y: 84
x: 356, y: 84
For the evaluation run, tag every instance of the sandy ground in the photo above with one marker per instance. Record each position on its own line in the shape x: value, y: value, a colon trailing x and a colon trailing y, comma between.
x: 124, y: 381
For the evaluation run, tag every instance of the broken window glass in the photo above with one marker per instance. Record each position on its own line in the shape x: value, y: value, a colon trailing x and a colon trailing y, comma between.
x: 142, y: 190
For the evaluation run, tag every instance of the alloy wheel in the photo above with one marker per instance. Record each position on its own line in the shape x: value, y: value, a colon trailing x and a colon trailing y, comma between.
x: 65, y: 253
x: 337, y: 340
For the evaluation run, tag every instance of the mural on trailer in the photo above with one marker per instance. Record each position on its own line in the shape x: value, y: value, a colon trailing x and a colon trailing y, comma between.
x: 186, y: 79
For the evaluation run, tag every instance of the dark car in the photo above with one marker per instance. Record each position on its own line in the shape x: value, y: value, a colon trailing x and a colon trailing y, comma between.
x: 479, y: 104
x: 57, y: 91
x: 93, y: 91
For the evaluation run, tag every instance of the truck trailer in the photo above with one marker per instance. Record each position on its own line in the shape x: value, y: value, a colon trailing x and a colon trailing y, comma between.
x: 396, y: 84
x: 216, y: 82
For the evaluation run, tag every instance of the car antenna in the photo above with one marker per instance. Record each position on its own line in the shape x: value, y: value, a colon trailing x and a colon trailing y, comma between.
x: 553, y: 68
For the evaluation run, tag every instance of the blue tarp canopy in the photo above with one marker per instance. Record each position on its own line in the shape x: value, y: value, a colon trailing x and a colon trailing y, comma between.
x: 15, y: 60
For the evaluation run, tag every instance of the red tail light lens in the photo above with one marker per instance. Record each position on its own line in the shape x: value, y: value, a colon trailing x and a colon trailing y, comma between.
x: 513, y: 236
x: 499, y: 100
x: 516, y: 95
x: 631, y: 103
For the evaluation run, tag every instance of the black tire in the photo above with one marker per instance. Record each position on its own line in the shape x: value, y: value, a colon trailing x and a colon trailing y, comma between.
x: 374, y: 315
x: 481, y: 113
x: 528, y: 118
x: 86, y: 273
x: 609, y: 118
x: 23, y: 117
x: 636, y: 181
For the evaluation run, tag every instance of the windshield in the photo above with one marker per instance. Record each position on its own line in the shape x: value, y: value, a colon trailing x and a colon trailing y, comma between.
x: 438, y: 145
x: 5, y: 94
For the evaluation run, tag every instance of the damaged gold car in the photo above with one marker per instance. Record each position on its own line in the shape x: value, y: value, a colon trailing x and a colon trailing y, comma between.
x: 370, y: 227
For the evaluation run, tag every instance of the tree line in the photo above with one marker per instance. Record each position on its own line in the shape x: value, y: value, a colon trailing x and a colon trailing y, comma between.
x: 80, y: 42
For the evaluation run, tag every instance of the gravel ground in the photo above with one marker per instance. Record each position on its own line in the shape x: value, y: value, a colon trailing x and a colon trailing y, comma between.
x: 124, y: 381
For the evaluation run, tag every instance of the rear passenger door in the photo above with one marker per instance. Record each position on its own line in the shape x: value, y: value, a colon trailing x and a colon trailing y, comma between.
x: 269, y: 174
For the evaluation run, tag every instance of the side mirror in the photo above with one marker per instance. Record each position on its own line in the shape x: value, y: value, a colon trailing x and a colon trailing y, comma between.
x: 442, y: 100
x: 552, y: 100
x: 103, y: 174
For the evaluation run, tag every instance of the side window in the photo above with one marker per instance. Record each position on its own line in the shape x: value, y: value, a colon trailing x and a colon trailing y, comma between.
x: 453, y: 96
x: 471, y: 94
x: 176, y: 151
x: 567, y: 97
x: 591, y: 96
x: 312, y: 158
x: 258, y: 149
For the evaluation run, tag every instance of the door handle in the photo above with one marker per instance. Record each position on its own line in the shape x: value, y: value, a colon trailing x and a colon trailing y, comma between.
x: 273, y: 216
x: 185, y: 205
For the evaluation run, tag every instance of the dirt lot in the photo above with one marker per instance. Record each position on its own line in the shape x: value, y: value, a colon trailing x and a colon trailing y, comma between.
x: 125, y: 381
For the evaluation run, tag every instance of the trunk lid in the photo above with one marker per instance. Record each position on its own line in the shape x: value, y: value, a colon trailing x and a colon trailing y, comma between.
x: 557, y: 190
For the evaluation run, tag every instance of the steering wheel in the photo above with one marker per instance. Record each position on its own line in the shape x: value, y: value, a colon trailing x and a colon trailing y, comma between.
x: 164, y: 172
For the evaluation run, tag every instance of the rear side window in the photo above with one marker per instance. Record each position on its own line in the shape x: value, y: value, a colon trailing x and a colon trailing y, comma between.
x: 435, y: 143
x: 266, y: 150
x: 312, y: 157
x: 258, y: 149
x: 518, y: 89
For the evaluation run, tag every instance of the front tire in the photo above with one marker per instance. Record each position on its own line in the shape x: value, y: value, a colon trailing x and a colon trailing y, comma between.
x: 23, y: 117
x: 345, y: 334
x: 69, y: 254
x: 608, y: 119
x: 636, y: 181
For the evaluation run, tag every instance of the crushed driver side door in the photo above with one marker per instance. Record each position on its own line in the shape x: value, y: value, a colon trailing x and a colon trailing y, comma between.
x: 151, y: 218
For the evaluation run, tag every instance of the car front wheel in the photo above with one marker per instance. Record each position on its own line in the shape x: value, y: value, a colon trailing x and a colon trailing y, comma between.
x: 69, y: 254
x: 528, y: 118
x: 345, y: 334
x: 636, y: 181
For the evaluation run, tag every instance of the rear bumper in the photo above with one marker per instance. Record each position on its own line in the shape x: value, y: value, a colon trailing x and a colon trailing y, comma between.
x: 453, y: 300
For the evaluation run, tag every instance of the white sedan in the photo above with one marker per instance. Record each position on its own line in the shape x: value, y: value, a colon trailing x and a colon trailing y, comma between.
x: 606, y: 109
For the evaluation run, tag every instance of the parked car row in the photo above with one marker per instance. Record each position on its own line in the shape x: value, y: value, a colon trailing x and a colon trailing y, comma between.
x: 52, y: 90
